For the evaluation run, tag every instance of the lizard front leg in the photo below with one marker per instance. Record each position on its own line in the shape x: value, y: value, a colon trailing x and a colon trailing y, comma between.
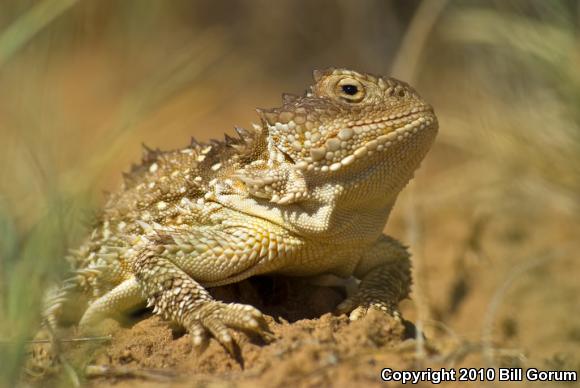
x: 385, y: 273
x: 177, y: 296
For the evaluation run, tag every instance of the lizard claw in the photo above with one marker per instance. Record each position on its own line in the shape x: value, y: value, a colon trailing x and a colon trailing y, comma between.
x: 218, y: 318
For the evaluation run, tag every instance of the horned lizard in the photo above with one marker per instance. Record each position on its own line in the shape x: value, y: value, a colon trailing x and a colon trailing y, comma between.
x: 307, y: 191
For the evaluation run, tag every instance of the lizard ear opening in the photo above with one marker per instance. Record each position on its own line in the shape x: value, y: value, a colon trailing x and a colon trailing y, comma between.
x: 287, y: 157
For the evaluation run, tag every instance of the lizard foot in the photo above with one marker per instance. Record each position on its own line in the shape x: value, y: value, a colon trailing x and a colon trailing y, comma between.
x: 42, y: 359
x: 358, y: 306
x: 42, y: 353
x: 218, y: 318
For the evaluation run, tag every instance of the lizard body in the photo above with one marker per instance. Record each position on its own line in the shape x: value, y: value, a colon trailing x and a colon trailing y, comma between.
x: 306, y: 192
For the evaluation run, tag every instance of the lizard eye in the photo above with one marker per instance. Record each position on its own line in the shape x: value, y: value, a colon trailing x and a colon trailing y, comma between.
x: 350, y: 90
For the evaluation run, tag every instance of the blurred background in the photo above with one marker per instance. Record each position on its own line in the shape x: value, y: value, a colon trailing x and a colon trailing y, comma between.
x: 492, y: 217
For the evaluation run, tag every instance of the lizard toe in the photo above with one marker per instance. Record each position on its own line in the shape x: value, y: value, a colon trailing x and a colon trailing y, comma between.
x: 347, y: 305
x: 357, y: 309
x: 199, y: 337
x: 221, y: 333
x: 247, y: 318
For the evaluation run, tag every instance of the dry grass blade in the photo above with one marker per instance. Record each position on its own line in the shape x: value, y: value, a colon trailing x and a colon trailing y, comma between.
x: 550, y: 42
x: 100, y: 371
x: 173, y: 74
x: 536, y: 57
x: 408, y: 58
x: 27, y: 26
x: 488, y: 349
x: 405, y: 66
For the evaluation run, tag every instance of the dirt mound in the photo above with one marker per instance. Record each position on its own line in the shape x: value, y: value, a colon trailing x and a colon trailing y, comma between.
x: 312, y: 345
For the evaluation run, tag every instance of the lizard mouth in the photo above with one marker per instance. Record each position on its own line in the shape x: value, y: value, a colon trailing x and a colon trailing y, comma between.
x: 382, y: 132
x: 385, y: 133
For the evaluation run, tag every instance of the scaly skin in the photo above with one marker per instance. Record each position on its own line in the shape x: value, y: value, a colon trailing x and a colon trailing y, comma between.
x: 306, y: 192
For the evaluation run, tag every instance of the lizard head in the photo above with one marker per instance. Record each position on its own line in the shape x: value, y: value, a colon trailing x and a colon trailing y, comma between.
x: 345, y: 117
x: 347, y: 125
